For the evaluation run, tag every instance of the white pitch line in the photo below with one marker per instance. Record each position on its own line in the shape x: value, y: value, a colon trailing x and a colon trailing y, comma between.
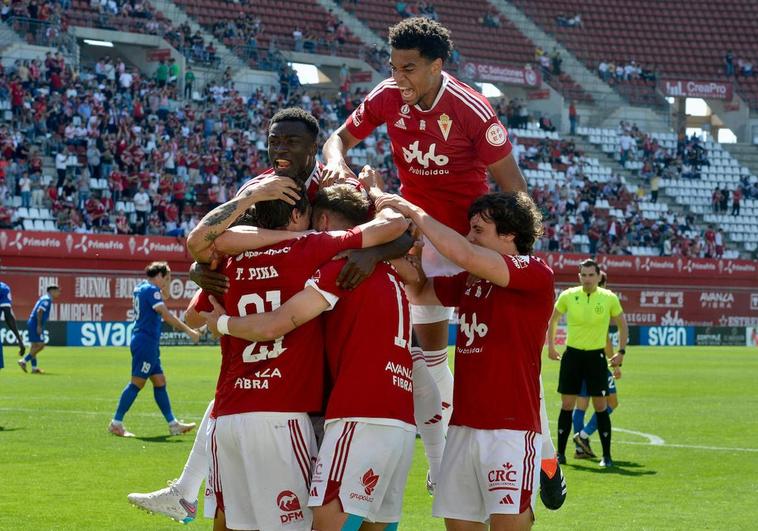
x: 654, y: 440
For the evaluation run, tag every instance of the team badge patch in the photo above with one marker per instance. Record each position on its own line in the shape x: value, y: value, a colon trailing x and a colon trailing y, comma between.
x: 496, y: 135
x: 445, y: 124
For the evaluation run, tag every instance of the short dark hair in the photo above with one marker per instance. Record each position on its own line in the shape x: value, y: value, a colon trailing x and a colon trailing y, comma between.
x: 429, y: 37
x: 512, y: 213
x: 52, y: 287
x: 589, y: 262
x: 296, y: 114
x: 157, y: 268
x: 344, y: 200
x: 276, y: 214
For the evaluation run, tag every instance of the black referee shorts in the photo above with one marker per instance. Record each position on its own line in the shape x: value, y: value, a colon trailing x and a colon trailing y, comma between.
x: 583, y: 365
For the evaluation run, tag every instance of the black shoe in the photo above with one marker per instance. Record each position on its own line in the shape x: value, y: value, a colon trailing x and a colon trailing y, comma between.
x: 580, y: 454
x: 606, y: 462
x: 553, y: 489
x: 584, y: 444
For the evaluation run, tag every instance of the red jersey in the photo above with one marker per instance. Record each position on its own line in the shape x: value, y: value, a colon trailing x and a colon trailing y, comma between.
x: 284, y: 375
x: 442, y: 153
x: 499, y: 345
x: 367, y: 336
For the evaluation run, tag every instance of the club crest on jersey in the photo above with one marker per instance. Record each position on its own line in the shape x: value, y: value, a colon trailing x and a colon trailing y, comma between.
x: 400, y: 124
x: 422, y: 125
x: 445, y: 124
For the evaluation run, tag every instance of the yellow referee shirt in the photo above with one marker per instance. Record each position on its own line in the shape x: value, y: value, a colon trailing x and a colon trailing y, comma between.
x: 587, y: 316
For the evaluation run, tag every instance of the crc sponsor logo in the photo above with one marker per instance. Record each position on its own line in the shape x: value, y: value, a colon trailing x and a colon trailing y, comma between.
x: 662, y: 299
x: 503, y: 478
x: 716, y: 299
x: 667, y: 336
x: 754, y: 301
x: 289, y: 504
x: 413, y: 154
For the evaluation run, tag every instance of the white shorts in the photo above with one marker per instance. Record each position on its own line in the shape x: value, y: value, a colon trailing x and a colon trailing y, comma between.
x: 435, y: 265
x: 261, y: 466
x: 366, y: 466
x: 487, y: 472
x: 209, y: 495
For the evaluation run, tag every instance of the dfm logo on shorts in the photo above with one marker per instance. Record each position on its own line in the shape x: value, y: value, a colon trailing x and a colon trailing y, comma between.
x: 472, y: 329
x: 413, y: 154
x: 289, y: 504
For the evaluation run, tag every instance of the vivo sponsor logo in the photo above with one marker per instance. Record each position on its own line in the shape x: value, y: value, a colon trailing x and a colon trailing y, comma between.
x: 662, y: 299
x: 716, y: 299
x: 667, y: 336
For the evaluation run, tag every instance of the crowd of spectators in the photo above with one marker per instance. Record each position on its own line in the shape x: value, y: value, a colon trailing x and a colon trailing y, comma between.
x: 418, y: 9
x: 737, y: 67
x: 123, y: 156
x: 618, y: 72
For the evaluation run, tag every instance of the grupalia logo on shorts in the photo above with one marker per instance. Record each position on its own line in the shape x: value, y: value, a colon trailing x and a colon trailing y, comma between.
x: 289, y: 504
x: 369, y: 481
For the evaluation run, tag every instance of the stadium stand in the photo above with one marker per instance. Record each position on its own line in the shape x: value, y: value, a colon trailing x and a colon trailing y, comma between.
x: 675, y: 39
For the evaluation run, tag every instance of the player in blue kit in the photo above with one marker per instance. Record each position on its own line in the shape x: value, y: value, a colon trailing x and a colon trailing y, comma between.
x: 6, y: 301
x: 36, y: 327
x: 149, y: 310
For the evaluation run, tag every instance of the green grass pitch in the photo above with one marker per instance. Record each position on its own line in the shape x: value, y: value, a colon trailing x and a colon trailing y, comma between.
x: 60, y: 469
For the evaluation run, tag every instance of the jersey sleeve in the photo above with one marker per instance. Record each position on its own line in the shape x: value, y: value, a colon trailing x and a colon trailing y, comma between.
x: 368, y: 115
x: 492, y: 142
x: 324, y: 280
x: 527, y: 273
x: 5, y: 297
x: 321, y: 247
x: 562, y: 303
x: 616, y: 309
x: 155, y: 298
x: 449, y: 289
x: 201, y: 302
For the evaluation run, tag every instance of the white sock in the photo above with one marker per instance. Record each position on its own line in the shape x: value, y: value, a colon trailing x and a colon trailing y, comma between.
x: 436, y: 361
x: 196, y: 467
x: 427, y: 407
x: 548, y: 449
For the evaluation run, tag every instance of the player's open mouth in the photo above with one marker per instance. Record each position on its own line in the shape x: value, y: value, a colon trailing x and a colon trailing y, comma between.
x: 407, y: 94
x: 281, y: 164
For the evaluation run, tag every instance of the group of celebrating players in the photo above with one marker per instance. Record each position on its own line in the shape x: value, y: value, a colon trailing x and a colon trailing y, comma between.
x: 332, y: 300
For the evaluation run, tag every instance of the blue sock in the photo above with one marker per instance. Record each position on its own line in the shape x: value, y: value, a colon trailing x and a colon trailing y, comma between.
x: 591, y: 426
x: 391, y: 527
x: 578, y: 418
x: 34, y: 363
x: 125, y: 402
x: 353, y: 523
x: 161, y: 398
x: 28, y: 358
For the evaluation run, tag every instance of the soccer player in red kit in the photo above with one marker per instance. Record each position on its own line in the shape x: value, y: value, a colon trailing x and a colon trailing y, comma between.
x: 490, y: 468
x: 368, y: 445
x: 262, y: 429
x: 445, y: 136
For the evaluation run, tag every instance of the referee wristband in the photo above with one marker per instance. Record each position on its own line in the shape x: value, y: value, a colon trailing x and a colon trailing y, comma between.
x: 223, y: 325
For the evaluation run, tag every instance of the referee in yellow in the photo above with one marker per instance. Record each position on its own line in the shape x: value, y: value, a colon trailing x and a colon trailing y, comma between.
x: 588, y: 310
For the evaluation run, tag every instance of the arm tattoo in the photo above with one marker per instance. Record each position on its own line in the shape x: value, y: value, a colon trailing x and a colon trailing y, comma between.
x: 222, y: 214
x: 211, y: 236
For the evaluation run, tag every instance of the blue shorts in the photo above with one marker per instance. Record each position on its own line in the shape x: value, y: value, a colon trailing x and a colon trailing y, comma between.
x: 146, y: 359
x: 34, y: 337
x: 611, y: 386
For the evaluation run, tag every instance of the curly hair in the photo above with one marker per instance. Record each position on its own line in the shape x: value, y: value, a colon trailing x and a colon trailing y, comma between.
x: 512, y: 213
x: 296, y: 114
x: 429, y: 37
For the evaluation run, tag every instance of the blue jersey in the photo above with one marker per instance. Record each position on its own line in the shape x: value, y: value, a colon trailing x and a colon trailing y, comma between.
x: 44, y: 303
x: 5, y: 295
x: 147, y: 298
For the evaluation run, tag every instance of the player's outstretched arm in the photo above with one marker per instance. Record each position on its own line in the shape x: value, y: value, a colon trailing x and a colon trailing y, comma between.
x: 201, y: 240
x: 299, y: 309
x: 552, y: 352
x: 385, y: 227
x: 507, y: 174
x: 235, y: 240
x: 480, y: 261
x: 176, y: 324
x: 335, y: 150
x: 10, y: 320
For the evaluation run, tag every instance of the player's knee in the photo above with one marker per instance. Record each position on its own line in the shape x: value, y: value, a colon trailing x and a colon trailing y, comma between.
x: 138, y: 382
